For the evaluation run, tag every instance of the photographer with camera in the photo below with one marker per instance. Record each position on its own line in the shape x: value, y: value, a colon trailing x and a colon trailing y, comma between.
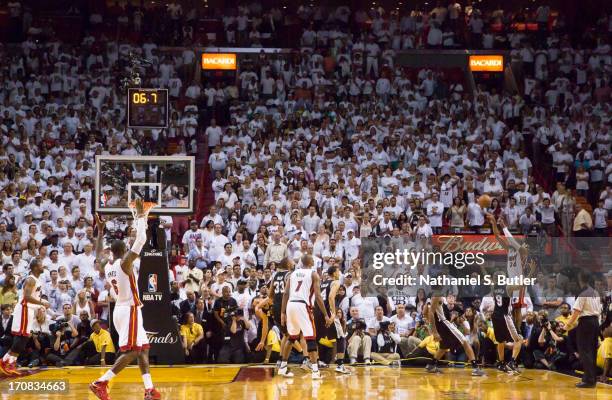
x: 359, y: 341
x: 386, y: 345
x: 223, y: 307
x: 549, y: 341
x: 235, y: 346
x: 64, y: 350
x: 40, y: 342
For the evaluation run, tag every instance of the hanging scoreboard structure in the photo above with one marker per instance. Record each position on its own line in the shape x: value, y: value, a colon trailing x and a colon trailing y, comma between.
x: 148, y: 108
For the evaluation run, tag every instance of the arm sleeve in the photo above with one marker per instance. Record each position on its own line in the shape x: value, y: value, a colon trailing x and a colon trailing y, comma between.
x: 141, y: 235
x: 511, y: 241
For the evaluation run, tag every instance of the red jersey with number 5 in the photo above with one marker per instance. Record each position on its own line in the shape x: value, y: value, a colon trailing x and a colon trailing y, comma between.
x: 300, y: 282
x: 124, y: 287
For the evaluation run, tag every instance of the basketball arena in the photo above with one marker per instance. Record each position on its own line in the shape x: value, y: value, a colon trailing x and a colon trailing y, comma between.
x: 344, y: 199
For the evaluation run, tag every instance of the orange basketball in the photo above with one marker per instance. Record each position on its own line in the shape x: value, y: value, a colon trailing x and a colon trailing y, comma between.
x: 484, y: 201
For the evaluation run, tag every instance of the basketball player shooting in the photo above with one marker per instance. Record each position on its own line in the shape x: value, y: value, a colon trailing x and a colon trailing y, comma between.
x: 517, y: 257
x: 297, y: 313
x: 127, y: 316
x: 24, y: 318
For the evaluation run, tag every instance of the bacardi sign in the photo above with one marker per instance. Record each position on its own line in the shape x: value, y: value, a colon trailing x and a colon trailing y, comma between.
x: 488, y: 63
x: 219, y: 61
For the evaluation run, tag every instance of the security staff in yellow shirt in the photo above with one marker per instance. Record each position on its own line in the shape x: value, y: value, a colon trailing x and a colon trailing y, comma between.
x: 193, y: 336
x: 99, y: 349
x: 604, y: 356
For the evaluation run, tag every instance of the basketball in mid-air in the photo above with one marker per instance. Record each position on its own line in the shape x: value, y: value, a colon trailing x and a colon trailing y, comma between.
x: 484, y: 201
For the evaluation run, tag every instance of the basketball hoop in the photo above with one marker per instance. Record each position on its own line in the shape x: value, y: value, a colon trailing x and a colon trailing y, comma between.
x: 147, y: 206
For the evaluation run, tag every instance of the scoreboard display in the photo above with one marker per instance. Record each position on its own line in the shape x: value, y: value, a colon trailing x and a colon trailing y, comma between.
x: 148, y: 108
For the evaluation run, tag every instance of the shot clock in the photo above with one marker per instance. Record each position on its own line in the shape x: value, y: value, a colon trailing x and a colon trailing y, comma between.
x: 147, y: 108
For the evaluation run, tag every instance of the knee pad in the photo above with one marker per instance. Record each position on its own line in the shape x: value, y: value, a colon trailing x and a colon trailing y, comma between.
x: 311, y: 345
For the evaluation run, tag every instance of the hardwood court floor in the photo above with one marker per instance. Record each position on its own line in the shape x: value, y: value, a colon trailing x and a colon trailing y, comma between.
x: 259, y: 383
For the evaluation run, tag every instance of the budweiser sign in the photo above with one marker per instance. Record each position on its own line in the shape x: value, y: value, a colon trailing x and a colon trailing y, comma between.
x: 486, y: 244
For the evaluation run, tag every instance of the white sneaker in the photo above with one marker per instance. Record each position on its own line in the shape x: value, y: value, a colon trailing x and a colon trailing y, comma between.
x: 353, y: 361
x: 341, y: 369
x: 306, y: 365
x: 316, y: 375
x: 368, y: 362
x: 285, y: 372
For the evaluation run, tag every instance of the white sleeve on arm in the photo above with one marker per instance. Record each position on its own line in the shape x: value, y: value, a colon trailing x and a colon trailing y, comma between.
x: 141, y: 235
x: 511, y: 240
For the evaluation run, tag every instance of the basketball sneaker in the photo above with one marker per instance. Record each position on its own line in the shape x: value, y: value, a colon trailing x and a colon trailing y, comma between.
x: 316, y: 375
x: 433, y: 369
x: 100, y: 389
x: 513, y: 368
x: 285, y: 372
x: 306, y: 365
x: 8, y: 368
x: 152, y: 394
x: 322, y: 364
x: 478, y: 372
x: 341, y: 369
x: 502, y: 367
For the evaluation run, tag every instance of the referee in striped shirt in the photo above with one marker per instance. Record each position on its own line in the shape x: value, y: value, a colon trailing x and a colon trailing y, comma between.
x: 587, y: 310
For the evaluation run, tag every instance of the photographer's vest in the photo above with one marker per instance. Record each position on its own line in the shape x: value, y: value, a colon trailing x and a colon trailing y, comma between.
x: 388, y: 347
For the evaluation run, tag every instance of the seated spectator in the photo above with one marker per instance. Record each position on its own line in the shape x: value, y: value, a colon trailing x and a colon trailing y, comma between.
x: 386, y: 345
x: 192, y: 335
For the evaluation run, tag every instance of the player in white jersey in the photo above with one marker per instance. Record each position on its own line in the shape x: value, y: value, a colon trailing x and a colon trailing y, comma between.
x: 127, y: 316
x: 517, y: 259
x: 24, y: 317
x: 301, y: 285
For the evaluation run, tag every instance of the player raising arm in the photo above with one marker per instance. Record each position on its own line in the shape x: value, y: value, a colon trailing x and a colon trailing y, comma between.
x: 127, y: 317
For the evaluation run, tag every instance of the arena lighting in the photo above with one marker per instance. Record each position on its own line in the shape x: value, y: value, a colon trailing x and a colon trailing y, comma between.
x: 486, y: 63
x: 219, y: 61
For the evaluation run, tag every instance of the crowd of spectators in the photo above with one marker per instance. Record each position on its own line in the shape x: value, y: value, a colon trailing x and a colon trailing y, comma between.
x: 311, y: 155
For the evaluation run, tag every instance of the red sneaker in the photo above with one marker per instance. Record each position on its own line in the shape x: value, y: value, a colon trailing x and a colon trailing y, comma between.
x: 8, y: 369
x: 100, y: 389
x: 152, y: 394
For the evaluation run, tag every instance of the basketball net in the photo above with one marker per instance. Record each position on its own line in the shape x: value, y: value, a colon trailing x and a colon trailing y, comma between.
x: 147, y: 206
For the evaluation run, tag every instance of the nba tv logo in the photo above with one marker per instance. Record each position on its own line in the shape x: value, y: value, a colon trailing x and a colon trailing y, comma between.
x: 152, y: 283
x: 152, y: 294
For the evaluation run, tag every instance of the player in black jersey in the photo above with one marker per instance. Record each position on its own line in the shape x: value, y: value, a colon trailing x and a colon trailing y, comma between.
x: 503, y: 327
x: 329, y: 290
x: 447, y: 334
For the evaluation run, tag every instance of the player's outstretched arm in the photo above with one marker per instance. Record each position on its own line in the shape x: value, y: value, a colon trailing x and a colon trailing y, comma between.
x: 500, y: 240
x: 100, y: 224
x: 141, y: 238
x: 435, y: 301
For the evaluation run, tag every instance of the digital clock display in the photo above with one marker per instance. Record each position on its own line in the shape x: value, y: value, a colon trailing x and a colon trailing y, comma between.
x: 147, y: 108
